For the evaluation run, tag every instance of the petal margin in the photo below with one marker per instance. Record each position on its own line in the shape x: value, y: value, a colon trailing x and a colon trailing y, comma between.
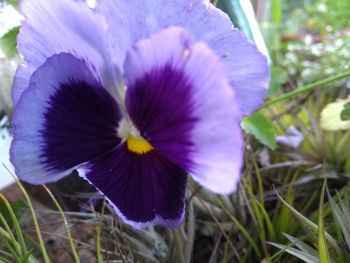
x: 144, y: 190
x: 245, y: 66
x: 51, y: 27
x: 64, y: 118
x: 178, y: 97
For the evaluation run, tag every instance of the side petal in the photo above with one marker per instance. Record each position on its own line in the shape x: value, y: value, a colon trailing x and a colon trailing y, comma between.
x: 144, y: 190
x: 179, y: 99
x: 64, y: 118
x: 51, y: 27
x: 245, y: 66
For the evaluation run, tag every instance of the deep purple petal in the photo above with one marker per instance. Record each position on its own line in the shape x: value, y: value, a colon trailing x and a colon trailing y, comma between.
x: 144, y: 189
x: 64, y: 118
x: 245, y: 67
x: 179, y: 98
x: 51, y: 27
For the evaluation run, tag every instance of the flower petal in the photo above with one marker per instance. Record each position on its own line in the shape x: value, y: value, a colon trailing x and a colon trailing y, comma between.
x: 144, y: 189
x: 178, y: 97
x: 51, y: 27
x: 63, y: 119
x: 245, y: 67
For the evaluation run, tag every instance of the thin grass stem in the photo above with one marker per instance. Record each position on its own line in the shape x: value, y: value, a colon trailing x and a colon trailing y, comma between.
x: 244, y: 231
x: 35, y: 219
x: 65, y: 222
x: 307, y: 88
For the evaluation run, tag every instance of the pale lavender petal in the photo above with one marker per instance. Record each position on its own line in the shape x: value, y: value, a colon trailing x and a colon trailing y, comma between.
x: 144, y: 189
x: 20, y: 82
x: 293, y: 137
x: 51, y: 27
x: 63, y: 119
x: 179, y: 98
x: 245, y: 67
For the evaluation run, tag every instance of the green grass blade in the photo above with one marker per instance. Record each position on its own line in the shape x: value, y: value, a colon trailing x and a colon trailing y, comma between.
x: 341, y: 218
x: 65, y: 222
x: 241, y: 228
x: 281, y: 219
x: 309, y: 225
x: 308, y: 88
x: 191, y: 233
x: 98, y: 235
x: 35, y: 219
x: 2, y: 252
x: 179, y: 244
x: 268, y: 222
x: 256, y: 209
x: 4, y: 236
x: 297, y: 253
x: 6, y: 233
x: 16, y: 225
x: 302, y: 246
x: 322, y: 244
x: 4, y: 260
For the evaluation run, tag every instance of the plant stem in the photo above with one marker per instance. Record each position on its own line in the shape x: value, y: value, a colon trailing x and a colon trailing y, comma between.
x: 66, y: 225
x: 307, y: 88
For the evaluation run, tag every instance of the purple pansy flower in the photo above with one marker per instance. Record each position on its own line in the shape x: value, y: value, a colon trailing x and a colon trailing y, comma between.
x: 134, y: 95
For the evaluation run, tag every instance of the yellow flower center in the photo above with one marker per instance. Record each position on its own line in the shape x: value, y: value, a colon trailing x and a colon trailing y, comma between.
x: 138, y: 145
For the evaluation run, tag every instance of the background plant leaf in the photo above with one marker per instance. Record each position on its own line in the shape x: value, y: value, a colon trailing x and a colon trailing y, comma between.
x: 8, y: 42
x: 345, y: 113
x: 261, y: 128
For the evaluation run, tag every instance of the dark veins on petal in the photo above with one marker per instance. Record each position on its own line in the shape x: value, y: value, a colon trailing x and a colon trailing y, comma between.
x: 140, y: 186
x: 80, y: 125
x: 161, y: 107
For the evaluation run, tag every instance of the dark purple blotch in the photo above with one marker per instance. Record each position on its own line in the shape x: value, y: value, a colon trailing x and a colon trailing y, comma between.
x: 160, y: 105
x: 80, y: 125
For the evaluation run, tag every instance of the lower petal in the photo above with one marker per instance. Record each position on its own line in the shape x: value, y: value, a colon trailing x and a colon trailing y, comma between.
x: 144, y: 190
x: 64, y: 118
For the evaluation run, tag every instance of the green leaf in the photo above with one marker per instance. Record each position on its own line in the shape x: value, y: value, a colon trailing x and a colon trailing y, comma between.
x: 322, y: 244
x: 261, y: 128
x: 345, y: 113
x: 234, y: 10
x: 279, y: 76
x: 8, y: 42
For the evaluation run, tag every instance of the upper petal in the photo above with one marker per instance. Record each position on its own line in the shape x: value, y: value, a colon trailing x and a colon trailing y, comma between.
x: 245, y: 67
x: 63, y: 119
x: 51, y: 27
x: 179, y: 99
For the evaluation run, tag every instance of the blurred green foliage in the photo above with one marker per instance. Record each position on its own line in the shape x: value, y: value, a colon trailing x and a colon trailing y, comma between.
x: 345, y: 114
x: 8, y: 42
